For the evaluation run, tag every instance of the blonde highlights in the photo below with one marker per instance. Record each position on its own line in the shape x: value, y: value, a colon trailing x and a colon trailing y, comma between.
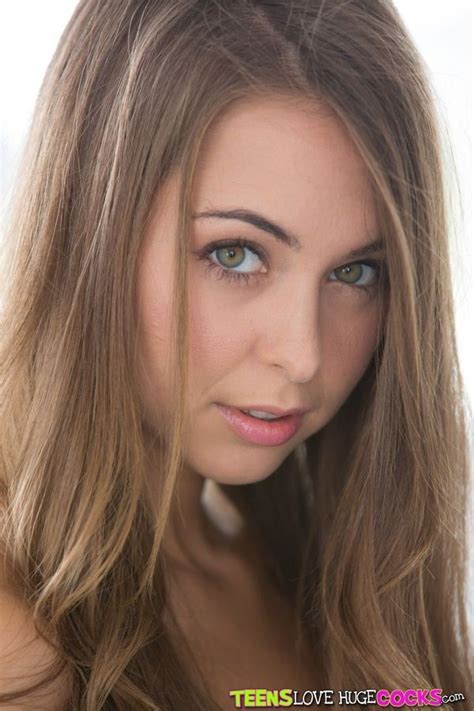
x: 370, y: 542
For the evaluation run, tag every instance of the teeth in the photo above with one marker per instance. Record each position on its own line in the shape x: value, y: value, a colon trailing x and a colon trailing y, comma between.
x: 261, y: 415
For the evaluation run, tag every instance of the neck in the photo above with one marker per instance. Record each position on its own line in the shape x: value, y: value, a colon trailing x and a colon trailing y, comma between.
x: 202, y: 520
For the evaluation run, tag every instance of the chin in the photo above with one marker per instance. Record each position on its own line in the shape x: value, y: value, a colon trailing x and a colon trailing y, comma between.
x: 241, y: 468
x: 238, y: 478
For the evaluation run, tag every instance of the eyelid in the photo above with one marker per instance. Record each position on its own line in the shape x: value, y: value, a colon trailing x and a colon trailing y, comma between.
x: 370, y: 261
x: 377, y: 263
x: 373, y: 264
x: 235, y: 242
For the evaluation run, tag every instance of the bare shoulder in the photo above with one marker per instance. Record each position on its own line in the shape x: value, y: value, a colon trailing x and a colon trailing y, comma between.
x: 24, y: 659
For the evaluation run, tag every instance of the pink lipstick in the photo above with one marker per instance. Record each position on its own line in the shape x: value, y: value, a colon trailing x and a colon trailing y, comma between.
x: 267, y: 432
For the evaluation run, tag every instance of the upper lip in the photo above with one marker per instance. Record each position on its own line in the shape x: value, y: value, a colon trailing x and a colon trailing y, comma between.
x: 275, y: 410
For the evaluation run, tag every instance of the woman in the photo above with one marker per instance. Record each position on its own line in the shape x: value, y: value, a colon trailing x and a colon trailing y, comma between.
x: 231, y: 206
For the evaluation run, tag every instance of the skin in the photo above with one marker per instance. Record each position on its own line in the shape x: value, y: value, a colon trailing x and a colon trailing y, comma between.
x: 295, y: 336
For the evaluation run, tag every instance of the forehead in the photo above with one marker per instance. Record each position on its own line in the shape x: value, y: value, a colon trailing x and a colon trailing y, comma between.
x: 291, y: 159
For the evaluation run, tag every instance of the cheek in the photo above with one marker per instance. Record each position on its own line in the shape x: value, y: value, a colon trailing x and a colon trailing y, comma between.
x: 219, y: 332
x: 349, y: 341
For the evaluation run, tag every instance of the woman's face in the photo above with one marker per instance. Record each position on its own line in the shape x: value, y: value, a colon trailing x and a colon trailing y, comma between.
x: 271, y: 323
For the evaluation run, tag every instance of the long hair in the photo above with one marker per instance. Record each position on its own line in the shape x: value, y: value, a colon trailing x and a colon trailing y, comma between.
x: 370, y: 545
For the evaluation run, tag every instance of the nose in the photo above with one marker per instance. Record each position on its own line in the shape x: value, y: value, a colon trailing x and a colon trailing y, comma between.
x: 291, y: 337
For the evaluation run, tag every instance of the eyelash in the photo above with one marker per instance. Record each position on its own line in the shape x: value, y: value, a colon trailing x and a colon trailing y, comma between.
x: 244, y: 278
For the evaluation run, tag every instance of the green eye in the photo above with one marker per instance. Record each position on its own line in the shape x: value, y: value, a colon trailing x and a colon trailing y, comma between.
x: 237, y: 260
x: 357, y: 273
x: 350, y: 274
x: 230, y: 256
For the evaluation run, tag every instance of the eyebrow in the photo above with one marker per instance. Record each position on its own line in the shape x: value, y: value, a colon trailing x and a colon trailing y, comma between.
x: 257, y: 220
x: 288, y: 238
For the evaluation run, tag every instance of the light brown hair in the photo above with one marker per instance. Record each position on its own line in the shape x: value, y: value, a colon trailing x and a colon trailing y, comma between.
x: 371, y: 541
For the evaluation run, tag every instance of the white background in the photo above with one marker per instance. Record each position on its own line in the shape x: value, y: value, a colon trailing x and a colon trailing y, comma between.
x: 30, y: 30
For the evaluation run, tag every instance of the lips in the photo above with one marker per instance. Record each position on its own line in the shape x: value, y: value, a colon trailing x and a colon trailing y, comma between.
x: 275, y: 410
x: 270, y: 433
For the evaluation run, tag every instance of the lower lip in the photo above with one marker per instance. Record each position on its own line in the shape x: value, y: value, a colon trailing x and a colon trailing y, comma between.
x: 267, y: 432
